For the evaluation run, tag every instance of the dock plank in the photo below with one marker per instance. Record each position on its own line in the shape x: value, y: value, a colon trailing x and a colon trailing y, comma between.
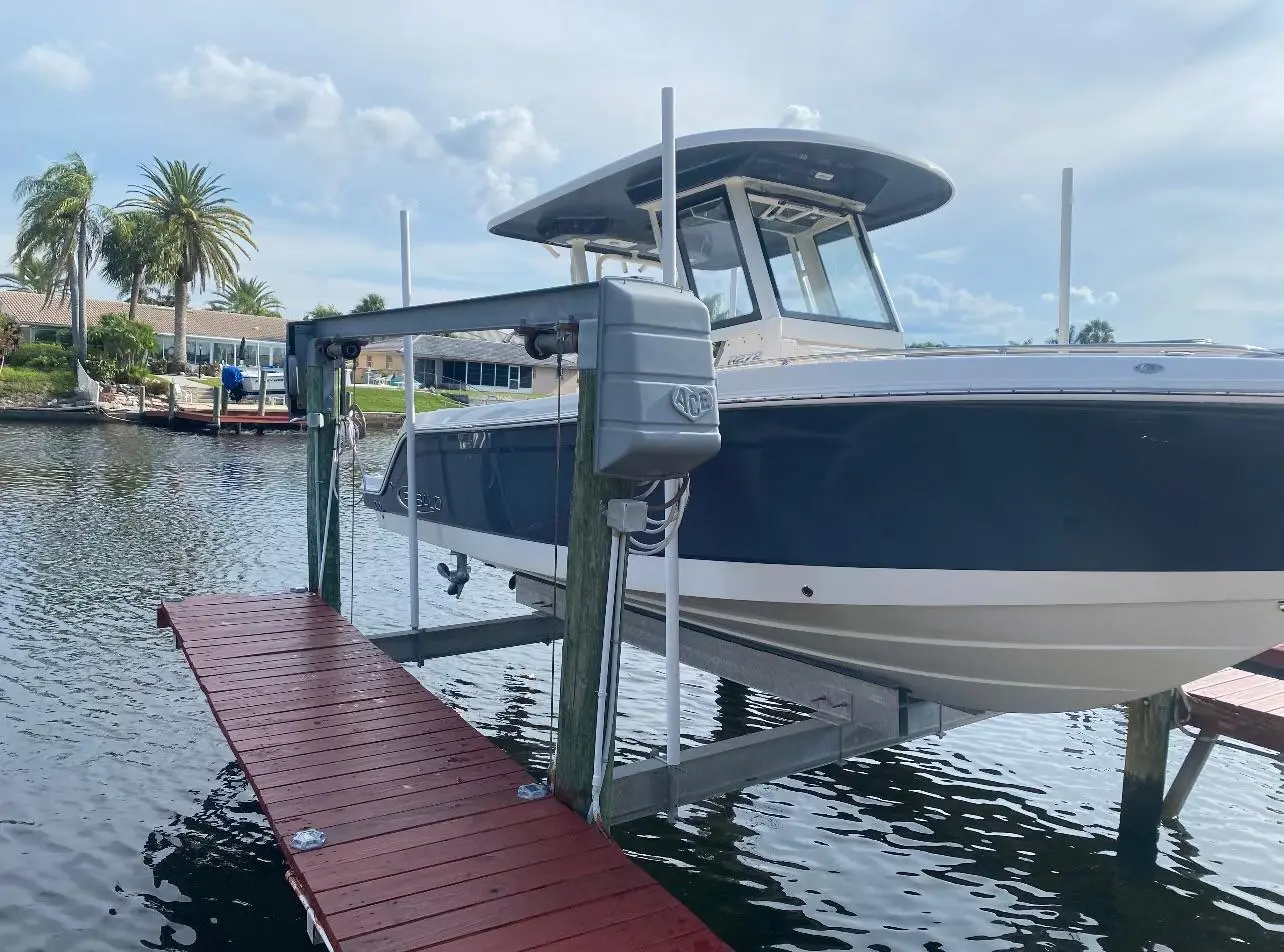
x: 427, y: 844
x: 1243, y: 703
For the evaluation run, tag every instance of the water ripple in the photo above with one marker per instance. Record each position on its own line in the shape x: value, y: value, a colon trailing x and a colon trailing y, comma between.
x: 123, y: 824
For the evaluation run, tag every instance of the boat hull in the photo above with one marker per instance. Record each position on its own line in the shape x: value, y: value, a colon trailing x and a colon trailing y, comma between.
x: 1011, y: 553
x: 1004, y: 642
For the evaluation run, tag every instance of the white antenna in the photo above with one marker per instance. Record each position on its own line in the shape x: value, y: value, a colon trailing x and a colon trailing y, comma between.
x: 1063, y: 307
x: 672, y: 580
x: 408, y: 379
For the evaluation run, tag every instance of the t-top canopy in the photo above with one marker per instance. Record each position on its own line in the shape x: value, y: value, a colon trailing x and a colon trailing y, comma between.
x: 602, y: 208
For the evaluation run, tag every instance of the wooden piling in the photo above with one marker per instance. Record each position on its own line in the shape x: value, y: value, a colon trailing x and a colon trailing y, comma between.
x: 1188, y: 773
x: 218, y: 406
x: 142, y: 399
x: 262, y: 391
x: 587, y: 567
x: 323, y: 515
x: 1145, y: 764
x: 172, y: 395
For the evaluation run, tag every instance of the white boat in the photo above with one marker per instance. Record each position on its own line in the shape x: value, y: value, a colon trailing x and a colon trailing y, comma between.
x: 1004, y: 529
x: 275, y: 381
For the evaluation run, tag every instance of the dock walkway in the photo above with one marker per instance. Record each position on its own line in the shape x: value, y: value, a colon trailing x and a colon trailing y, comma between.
x: 427, y: 844
x: 1245, y: 702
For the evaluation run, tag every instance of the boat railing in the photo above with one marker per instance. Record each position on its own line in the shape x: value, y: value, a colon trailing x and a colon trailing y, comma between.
x: 1165, y: 347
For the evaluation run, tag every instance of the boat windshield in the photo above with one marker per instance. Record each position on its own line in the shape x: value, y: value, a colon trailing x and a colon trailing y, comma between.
x: 820, y: 262
x: 715, y: 264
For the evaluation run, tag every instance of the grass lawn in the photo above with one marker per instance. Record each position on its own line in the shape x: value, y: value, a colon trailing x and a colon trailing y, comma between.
x: 22, y: 384
x: 376, y: 399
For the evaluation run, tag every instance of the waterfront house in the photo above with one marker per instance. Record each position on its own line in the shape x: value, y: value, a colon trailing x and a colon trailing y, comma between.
x: 457, y: 363
x: 213, y: 337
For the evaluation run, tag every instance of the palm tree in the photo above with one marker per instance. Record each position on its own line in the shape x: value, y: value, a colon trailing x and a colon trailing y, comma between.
x: 203, y: 230
x: 322, y: 310
x: 1095, y: 332
x: 247, y: 296
x: 58, y: 221
x: 371, y: 302
x: 134, y: 252
x: 32, y: 274
x: 157, y: 295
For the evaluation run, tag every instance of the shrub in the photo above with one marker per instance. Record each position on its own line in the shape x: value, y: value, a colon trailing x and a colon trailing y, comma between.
x: 27, y: 384
x: 158, y: 364
x: 47, y: 357
x: 134, y: 375
x: 123, y: 340
x: 157, y: 386
x: 10, y: 337
x: 103, y: 369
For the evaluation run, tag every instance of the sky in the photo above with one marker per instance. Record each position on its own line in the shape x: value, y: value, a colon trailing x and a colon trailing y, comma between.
x: 325, y: 117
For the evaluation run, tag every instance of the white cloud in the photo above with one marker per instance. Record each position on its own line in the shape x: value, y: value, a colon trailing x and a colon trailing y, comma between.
x: 269, y: 100
x: 944, y: 310
x: 1086, y: 295
x: 308, y: 263
x: 800, y: 117
x: 1143, y: 98
x: 393, y: 203
x: 495, y: 137
x: 392, y: 127
x: 321, y: 208
x: 500, y: 190
x: 945, y: 255
x: 54, y: 67
x: 486, y: 146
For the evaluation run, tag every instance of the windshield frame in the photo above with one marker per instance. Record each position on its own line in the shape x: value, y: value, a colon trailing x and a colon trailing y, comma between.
x: 872, y: 271
x: 719, y: 193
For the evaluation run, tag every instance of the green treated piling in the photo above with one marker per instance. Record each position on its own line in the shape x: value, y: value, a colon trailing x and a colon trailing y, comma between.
x: 587, y: 567
x: 1145, y: 764
x: 321, y: 509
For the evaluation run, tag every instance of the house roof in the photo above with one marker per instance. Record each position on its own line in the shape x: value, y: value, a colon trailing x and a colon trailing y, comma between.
x: 470, y: 348
x: 27, y: 307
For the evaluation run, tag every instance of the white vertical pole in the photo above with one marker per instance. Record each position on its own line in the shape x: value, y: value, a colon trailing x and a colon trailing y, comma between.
x: 672, y: 577
x: 408, y: 372
x: 1067, y: 202
x: 579, y: 261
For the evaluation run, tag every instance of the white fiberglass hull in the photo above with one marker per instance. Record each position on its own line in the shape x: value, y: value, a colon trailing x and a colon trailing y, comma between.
x: 987, y: 641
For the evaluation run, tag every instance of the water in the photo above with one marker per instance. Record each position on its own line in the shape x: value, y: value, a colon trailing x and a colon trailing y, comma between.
x: 124, y: 823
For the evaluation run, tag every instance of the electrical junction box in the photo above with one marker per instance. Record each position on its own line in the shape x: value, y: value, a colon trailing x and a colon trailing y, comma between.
x: 657, y: 399
x: 626, y: 515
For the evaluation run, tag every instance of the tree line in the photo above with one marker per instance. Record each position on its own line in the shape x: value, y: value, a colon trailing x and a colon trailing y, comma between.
x: 176, y: 230
x: 1093, y: 332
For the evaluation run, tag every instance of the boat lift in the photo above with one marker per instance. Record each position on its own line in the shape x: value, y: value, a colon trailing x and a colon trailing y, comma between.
x: 851, y: 715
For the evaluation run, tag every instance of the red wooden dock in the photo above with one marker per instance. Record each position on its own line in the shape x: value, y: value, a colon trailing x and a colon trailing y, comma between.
x: 1244, y: 703
x: 428, y: 845
x: 196, y: 419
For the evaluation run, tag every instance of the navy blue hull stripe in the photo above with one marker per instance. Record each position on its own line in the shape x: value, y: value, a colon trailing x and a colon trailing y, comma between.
x: 1086, y: 486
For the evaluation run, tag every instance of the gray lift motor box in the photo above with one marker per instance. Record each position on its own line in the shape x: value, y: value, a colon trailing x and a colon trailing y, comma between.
x: 657, y: 402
